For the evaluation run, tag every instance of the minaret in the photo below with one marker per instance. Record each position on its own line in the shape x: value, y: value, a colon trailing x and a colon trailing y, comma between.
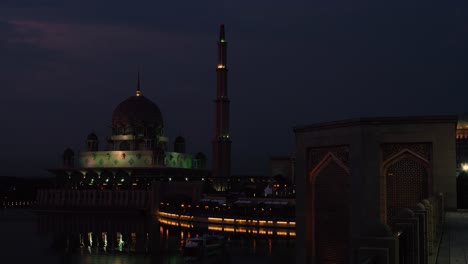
x: 221, y: 141
x: 138, y: 92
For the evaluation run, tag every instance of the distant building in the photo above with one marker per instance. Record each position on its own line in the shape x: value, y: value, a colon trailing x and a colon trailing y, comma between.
x: 283, y: 166
x: 360, y: 182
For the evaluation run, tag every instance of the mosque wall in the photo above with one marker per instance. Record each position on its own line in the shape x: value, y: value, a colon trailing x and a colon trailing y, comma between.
x: 178, y: 160
x: 115, y: 159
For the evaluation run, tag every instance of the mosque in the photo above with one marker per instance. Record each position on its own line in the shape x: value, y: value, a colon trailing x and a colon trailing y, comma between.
x: 137, y: 155
x: 136, y: 152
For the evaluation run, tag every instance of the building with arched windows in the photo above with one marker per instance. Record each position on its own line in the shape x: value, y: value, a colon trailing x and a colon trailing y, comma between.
x: 373, y: 187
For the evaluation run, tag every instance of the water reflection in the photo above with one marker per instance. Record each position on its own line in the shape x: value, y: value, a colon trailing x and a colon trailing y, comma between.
x: 87, y: 238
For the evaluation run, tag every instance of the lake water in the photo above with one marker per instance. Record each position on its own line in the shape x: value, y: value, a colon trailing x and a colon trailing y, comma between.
x: 99, y: 238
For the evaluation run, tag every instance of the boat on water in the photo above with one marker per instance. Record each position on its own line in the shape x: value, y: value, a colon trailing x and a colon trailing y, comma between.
x: 202, y: 246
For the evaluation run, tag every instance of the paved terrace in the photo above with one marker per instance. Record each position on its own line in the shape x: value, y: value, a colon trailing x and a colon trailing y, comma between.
x: 454, y: 246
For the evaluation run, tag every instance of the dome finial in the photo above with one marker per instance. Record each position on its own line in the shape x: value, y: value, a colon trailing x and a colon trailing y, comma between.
x: 138, y: 92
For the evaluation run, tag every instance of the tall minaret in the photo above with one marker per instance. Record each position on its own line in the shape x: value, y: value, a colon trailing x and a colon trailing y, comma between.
x: 138, y: 92
x: 221, y: 141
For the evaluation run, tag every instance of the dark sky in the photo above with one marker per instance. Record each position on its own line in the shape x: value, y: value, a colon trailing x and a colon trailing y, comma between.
x: 65, y: 65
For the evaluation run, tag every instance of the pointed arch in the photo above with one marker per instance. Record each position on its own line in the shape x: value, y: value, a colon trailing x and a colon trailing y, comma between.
x: 327, y: 203
x: 401, y: 155
x: 410, y: 182
x: 324, y: 161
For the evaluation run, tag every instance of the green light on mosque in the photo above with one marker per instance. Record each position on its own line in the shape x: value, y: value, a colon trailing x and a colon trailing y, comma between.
x: 222, y: 40
x: 107, y: 180
x: 122, y: 180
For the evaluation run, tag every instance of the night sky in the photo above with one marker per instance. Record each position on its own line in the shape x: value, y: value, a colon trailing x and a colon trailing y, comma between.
x: 65, y: 65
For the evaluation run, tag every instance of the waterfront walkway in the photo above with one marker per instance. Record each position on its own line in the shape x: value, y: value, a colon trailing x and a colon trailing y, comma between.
x: 454, y: 246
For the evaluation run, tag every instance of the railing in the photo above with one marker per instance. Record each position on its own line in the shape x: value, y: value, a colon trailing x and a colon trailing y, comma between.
x: 417, y: 238
x: 402, y: 237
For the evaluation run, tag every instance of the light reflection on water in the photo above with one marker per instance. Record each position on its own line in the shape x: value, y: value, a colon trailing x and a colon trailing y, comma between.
x: 128, y: 239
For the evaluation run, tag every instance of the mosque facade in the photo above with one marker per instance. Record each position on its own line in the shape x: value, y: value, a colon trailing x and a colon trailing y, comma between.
x: 136, y: 152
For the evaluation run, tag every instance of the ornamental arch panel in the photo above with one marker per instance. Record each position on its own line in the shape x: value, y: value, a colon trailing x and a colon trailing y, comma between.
x: 328, y: 210
x: 406, y: 181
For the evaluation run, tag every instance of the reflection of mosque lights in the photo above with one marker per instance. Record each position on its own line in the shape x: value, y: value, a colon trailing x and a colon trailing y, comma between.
x: 133, y: 236
x: 269, y: 246
x: 90, y: 238
x: 182, y: 238
x: 104, y: 238
x: 120, y: 241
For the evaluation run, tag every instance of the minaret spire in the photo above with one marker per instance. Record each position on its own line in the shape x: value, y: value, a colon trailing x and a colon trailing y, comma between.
x: 222, y: 35
x: 138, y: 92
x: 221, y: 140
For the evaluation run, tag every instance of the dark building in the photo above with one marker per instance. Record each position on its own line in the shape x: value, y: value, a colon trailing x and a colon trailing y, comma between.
x: 373, y: 187
x: 282, y: 167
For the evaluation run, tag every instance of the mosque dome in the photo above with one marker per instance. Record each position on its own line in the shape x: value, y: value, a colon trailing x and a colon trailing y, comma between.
x: 137, y: 110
